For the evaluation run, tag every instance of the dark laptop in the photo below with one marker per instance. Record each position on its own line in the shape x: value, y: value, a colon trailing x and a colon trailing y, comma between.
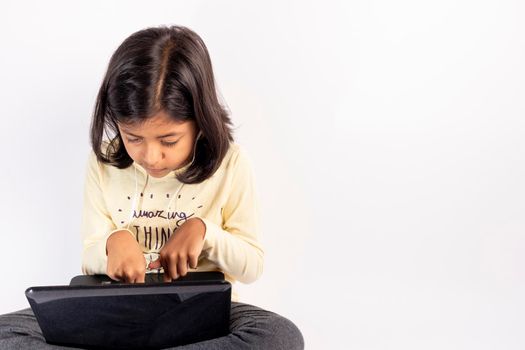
x: 97, y: 312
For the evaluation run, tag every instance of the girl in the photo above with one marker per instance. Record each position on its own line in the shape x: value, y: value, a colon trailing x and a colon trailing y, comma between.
x: 166, y: 188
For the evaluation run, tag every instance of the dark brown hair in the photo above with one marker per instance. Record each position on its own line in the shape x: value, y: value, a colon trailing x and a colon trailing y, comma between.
x: 162, y: 69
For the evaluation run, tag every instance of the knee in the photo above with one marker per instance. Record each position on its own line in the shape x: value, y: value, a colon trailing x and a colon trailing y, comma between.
x: 19, y: 324
x: 284, y: 334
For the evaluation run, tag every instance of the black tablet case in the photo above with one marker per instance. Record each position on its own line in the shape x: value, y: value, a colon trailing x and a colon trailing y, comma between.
x: 96, y: 312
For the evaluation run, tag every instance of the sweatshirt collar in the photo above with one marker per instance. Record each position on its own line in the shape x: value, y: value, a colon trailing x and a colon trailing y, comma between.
x: 171, y: 175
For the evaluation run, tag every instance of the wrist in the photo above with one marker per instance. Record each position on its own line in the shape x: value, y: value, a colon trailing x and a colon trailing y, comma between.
x: 198, y: 226
x: 117, y: 238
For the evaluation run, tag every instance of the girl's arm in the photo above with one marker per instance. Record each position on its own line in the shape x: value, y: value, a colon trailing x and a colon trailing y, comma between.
x: 97, y: 224
x: 234, y: 247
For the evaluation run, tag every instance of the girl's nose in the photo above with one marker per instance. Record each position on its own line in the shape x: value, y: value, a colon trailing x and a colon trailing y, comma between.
x: 151, y: 156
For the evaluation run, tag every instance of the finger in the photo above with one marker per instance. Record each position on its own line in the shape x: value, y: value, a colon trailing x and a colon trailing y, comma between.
x: 128, y: 277
x: 166, y: 276
x: 193, y: 261
x: 141, y: 278
x: 112, y: 274
x: 182, y: 266
x: 132, y: 275
x: 116, y: 276
x: 173, y: 272
x: 134, y: 278
x: 140, y: 272
x: 173, y: 268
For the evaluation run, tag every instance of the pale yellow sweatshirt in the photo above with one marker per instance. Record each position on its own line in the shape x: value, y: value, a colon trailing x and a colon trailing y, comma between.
x: 152, y: 208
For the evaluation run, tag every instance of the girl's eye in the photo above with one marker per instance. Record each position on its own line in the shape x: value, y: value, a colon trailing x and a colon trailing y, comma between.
x: 133, y: 140
x: 169, y: 144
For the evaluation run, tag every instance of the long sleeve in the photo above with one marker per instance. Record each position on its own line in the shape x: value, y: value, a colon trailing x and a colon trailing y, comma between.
x: 234, y: 247
x: 226, y: 202
x: 97, y: 225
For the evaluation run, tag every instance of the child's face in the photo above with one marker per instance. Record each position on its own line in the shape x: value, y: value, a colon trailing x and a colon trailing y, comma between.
x: 160, y: 144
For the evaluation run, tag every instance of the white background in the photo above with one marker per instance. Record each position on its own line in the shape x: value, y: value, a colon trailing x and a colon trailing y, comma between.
x: 387, y: 139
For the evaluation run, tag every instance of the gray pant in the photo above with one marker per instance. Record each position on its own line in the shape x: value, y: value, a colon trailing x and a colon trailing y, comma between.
x: 251, y: 328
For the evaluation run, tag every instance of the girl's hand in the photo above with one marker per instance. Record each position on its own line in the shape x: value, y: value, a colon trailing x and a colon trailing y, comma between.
x: 125, y: 259
x: 181, y: 250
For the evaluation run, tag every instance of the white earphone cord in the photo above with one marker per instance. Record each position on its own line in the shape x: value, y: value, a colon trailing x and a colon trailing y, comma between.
x: 134, y: 203
x: 176, y: 194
